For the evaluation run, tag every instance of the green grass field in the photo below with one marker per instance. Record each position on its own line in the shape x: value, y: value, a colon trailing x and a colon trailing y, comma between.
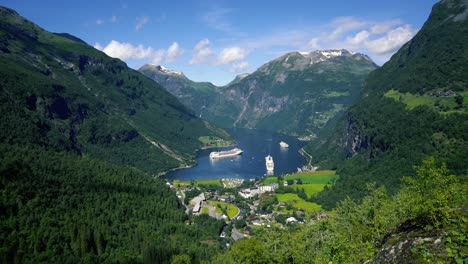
x: 298, y: 203
x: 309, y: 189
x: 307, y: 206
x: 213, y: 142
x: 287, y: 197
x: 232, y: 210
x: 315, y: 177
x: 443, y: 104
x: 198, y: 182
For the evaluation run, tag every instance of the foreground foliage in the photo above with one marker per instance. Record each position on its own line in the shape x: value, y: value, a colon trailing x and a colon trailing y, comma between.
x: 59, y: 208
x: 433, y: 203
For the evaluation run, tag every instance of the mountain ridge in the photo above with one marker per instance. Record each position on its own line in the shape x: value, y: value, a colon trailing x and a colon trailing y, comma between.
x: 77, y: 98
x: 254, y: 100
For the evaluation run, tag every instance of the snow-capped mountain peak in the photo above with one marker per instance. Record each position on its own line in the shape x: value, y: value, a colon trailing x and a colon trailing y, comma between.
x: 167, y: 71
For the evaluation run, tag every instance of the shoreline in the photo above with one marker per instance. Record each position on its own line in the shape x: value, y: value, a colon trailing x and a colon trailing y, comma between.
x: 204, y: 149
x: 188, y: 166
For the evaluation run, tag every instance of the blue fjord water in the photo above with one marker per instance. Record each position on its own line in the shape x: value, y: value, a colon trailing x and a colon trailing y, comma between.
x: 256, y: 144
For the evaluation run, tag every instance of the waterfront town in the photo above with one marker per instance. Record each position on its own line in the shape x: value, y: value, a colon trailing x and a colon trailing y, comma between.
x: 248, y: 206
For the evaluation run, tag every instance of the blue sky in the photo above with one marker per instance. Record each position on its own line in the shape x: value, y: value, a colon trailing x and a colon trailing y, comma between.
x: 216, y: 40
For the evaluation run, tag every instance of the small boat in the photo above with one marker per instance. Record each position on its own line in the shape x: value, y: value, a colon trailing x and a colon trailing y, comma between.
x: 270, y: 165
x: 227, y: 153
x: 284, y: 144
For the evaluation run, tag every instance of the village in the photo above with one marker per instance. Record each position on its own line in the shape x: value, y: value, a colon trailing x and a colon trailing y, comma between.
x: 247, y: 206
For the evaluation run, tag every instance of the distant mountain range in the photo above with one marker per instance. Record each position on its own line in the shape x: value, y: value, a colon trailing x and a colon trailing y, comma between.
x: 195, y: 95
x: 297, y: 93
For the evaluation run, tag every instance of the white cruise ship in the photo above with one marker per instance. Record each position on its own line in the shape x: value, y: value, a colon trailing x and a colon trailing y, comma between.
x: 284, y: 144
x: 270, y: 165
x: 226, y: 153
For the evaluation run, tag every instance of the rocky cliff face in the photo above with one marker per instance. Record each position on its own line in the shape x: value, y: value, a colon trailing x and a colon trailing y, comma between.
x: 353, y: 139
x: 410, y: 242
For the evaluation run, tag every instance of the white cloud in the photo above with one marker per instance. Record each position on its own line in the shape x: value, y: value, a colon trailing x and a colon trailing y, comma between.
x: 232, y: 58
x: 202, y: 44
x: 141, y: 22
x: 392, y: 40
x: 239, y: 67
x: 99, y: 22
x: 98, y: 46
x: 231, y: 54
x: 358, y: 38
x: 158, y: 57
x: 313, y: 43
x: 125, y: 51
x: 217, y: 19
x: 173, y: 52
x: 378, y: 39
x: 384, y: 26
x: 343, y: 25
x: 202, y: 52
x: 114, y: 19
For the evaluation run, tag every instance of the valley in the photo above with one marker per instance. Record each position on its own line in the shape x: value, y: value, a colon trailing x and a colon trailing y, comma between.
x: 248, y: 206
x: 338, y: 159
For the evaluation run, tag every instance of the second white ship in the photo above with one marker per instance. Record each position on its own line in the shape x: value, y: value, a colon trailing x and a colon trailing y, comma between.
x: 284, y: 144
x: 226, y: 153
x: 270, y: 165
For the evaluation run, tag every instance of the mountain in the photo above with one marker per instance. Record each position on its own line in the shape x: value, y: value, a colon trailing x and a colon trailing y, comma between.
x: 62, y: 94
x: 194, y: 95
x: 414, y: 106
x: 238, y: 78
x: 297, y: 93
x: 81, y: 135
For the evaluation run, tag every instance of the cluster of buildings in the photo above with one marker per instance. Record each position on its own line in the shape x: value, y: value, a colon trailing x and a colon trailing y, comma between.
x: 252, y: 191
x: 197, y: 203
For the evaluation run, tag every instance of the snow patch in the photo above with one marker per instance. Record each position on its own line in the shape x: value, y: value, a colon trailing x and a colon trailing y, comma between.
x: 165, y: 70
x: 242, y: 76
x: 331, y: 53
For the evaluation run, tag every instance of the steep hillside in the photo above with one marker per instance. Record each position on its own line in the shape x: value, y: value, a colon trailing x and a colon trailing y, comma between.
x: 62, y: 94
x: 412, y: 107
x: 194, y: 95
x: 297, y: 93
x: 73, y: 124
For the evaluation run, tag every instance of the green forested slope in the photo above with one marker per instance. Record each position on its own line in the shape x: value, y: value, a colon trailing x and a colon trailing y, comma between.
x: 58, y: 208
x: 63, y: 94
x: 412, y: 107
x: 80, y: 136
